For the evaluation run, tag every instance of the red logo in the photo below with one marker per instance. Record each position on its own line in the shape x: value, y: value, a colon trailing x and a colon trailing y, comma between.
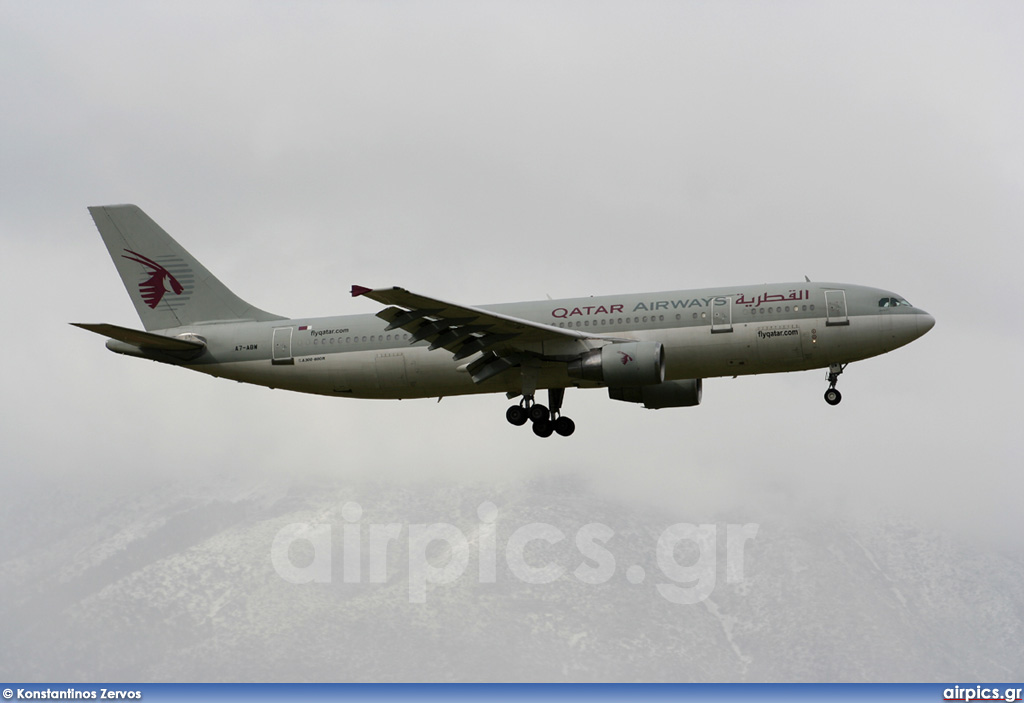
x: 160, y: 280
x: 626, y: 358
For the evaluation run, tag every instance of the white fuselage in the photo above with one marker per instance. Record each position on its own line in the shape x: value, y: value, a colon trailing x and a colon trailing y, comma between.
x: 705, y: 333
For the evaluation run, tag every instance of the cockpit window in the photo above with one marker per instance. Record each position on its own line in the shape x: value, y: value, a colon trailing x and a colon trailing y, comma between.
x: 893, y: 303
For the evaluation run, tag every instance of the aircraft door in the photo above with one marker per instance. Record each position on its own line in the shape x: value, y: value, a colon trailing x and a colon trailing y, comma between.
x: 282, y: 353
x: 721, y: 315
x: 835, y: 305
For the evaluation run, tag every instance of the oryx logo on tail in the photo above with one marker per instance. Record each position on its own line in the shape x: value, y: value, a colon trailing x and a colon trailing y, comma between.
x: 160, y: 280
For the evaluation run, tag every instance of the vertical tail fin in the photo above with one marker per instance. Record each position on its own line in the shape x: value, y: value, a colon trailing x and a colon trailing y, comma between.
x: 168, y: 286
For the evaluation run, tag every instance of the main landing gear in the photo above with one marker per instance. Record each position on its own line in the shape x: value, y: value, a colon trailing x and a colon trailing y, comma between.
x: 832, y: 395
x: 545, y: 421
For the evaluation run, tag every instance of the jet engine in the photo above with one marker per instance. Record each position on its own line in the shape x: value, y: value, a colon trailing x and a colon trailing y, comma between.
x: 669, y: 394
x: 622, y: 364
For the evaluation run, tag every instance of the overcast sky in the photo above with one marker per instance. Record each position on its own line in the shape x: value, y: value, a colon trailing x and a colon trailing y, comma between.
x: 489, y: 152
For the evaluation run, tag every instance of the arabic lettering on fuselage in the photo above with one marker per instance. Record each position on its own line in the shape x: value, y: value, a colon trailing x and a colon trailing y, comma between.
x: 794, y: 295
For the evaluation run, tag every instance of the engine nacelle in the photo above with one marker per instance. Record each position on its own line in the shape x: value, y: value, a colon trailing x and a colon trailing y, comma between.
x: 670, y: 394
x: 622, y: 364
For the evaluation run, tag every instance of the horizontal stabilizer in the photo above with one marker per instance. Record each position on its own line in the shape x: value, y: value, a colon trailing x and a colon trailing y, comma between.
x: 143, y: 340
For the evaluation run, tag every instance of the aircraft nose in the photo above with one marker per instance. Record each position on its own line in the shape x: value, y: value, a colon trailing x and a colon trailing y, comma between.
x: 924, y: 323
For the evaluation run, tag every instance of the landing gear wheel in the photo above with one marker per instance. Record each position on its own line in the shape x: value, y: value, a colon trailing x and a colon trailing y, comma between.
x: 832, y: 396
x: 564, y: 426
x: 516, y: 414
x: 539, y: 413
x: 545, y: 420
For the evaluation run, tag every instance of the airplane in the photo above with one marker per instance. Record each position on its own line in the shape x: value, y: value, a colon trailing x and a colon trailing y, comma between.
x: 651, y: 349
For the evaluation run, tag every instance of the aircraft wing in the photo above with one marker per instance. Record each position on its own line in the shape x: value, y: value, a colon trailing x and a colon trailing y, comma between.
x: 465, y: 330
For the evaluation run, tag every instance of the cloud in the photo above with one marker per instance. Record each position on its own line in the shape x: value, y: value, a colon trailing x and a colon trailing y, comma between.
x: 495, y: 153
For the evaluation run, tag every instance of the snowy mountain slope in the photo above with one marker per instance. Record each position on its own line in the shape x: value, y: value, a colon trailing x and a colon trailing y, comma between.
x: 169, y: 583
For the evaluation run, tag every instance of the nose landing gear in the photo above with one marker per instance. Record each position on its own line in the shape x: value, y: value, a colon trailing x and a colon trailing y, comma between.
x: 545, y: 421
x: 832, y: 395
